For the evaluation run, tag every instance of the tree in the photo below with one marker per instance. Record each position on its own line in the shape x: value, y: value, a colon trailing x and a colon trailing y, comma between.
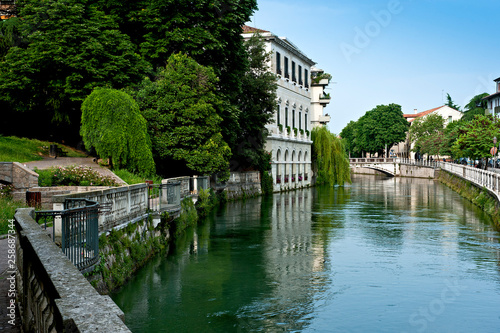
x: 257, y: 106
x: 182, y: 110
x: 450, y: 103
x: 113, y: 125
x: 207, y: 31
x: 348, y: 135
x: 329, y: 158
x: 476, y: 106
x: 475, y: 137
x: 381, y: 127
x: 68, y: 48
x: 427, y: 134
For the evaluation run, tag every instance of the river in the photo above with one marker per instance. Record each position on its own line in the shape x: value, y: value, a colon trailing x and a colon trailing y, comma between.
x: 379, y: 255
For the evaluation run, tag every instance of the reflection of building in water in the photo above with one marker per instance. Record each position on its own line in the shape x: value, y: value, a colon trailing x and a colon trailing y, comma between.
x: 294, y: 260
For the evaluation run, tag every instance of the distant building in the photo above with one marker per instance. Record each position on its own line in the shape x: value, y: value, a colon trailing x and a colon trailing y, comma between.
x: 403, y: 149
x: 300, y: 103
x: 493, y: 100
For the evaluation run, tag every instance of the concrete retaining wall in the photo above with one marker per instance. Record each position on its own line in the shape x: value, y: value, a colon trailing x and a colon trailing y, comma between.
x: 53, y: 296
x: 416, y: 171
x: 241, y: 184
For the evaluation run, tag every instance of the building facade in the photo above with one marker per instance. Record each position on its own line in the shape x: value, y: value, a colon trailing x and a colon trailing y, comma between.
x: 404, y: 149
x: 300, y: 103
x: 493, y: 100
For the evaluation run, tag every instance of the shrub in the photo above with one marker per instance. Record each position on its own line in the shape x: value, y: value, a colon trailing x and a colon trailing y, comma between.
x: 73, y: 176
x: 114, y: 126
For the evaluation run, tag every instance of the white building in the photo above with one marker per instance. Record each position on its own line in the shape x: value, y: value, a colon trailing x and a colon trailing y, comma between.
x: 300, y: 104
x: 403, y: 149
x: 493, y: 100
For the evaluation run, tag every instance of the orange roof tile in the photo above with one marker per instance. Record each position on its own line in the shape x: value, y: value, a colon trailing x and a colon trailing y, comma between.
x: 248, y: 29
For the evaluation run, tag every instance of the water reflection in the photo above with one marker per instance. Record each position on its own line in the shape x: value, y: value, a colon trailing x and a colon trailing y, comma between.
x: 363, y: 257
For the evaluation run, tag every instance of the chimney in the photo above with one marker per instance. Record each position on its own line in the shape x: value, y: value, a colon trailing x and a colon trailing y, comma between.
x: 415, y: 111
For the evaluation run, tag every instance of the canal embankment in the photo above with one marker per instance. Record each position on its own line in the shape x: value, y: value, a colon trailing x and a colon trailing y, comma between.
x: 481, y: 197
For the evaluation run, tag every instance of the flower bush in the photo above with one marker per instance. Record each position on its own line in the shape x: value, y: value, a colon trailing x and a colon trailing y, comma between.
x: 5, y: 191
x: 73, y: 176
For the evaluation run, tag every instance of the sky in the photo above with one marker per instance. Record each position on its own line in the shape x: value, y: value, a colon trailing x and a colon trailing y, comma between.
x: 408, y: 52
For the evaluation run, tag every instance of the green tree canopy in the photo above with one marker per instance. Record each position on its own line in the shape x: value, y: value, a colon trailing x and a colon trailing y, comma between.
x: 381, y: 127
x: 427, y: 134
x: 348, y: 135
x: 329, y: 158
x: 475, y: 137
x: 476, y: 106
x: 257, y: 106
x: 207, y: 31
x: 182, y: 110
x: 450, y: 103
x: 68, y: 48
x: 114, y: 126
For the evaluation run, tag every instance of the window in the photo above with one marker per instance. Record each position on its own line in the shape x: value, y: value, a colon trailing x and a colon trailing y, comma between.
x: 450, y: 119
x: 305, y: 121
x: 286, y: 117
x: 278, y: 115
x: 293, y: 118
x: 306, y: 78
x: 278, y: 63
x: 294, y: 78
x: 287, y: 74
x: 300, y: 120
x: 300, y: 75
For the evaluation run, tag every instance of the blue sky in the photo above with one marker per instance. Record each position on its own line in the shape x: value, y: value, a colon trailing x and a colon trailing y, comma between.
x: 408, y: 52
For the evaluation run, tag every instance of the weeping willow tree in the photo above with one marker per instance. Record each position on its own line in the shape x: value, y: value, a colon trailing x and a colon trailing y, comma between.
x: 329, y: 158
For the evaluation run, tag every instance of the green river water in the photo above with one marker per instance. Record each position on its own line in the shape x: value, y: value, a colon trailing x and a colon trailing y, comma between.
x: 379, y: 255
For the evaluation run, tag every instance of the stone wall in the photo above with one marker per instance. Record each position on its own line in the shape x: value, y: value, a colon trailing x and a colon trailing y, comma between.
x: 185, y: 184
x: 47, y: 193
x: 242, y: 184
x: 416, y: 171
x: 18, y: 175
x: 127, y: 203
x: 53, y: 296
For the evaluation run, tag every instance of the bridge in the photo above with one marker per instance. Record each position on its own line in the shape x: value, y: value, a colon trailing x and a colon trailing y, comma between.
x: 488, y: 179
x: 388, y: 166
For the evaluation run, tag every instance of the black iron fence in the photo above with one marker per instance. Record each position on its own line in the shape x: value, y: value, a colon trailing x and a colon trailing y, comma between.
x: 78, y: 225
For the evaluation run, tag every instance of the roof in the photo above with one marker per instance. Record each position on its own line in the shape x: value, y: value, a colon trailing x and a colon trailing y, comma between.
x: 248, y: 30
x: 497, y: 94
x: 410, y: 117
x: 282, y: 41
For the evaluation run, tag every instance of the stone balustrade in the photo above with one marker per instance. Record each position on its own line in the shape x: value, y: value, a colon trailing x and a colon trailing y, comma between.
x: 53, y: 295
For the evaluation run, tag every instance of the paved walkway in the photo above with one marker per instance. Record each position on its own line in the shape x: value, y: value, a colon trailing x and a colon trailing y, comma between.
x: 66, y: 161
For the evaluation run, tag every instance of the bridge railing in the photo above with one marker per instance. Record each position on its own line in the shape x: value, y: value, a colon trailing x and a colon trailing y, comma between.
x: 423, y: 163
x: 373, y: 160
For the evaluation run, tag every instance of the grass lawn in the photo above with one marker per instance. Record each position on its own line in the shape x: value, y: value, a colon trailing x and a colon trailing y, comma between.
x: 14, y: 149
x: 7, y: 210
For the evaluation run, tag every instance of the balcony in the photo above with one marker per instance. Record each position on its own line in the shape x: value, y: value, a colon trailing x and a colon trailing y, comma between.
x: 324, y: 99
x: 324, y: 119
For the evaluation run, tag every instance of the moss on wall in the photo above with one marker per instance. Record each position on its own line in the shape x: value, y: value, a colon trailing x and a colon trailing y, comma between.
x: 480, y: 197
x: 126, y: 250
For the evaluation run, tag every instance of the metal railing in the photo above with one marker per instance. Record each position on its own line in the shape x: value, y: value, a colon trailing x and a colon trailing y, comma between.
x: 79, y: 230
